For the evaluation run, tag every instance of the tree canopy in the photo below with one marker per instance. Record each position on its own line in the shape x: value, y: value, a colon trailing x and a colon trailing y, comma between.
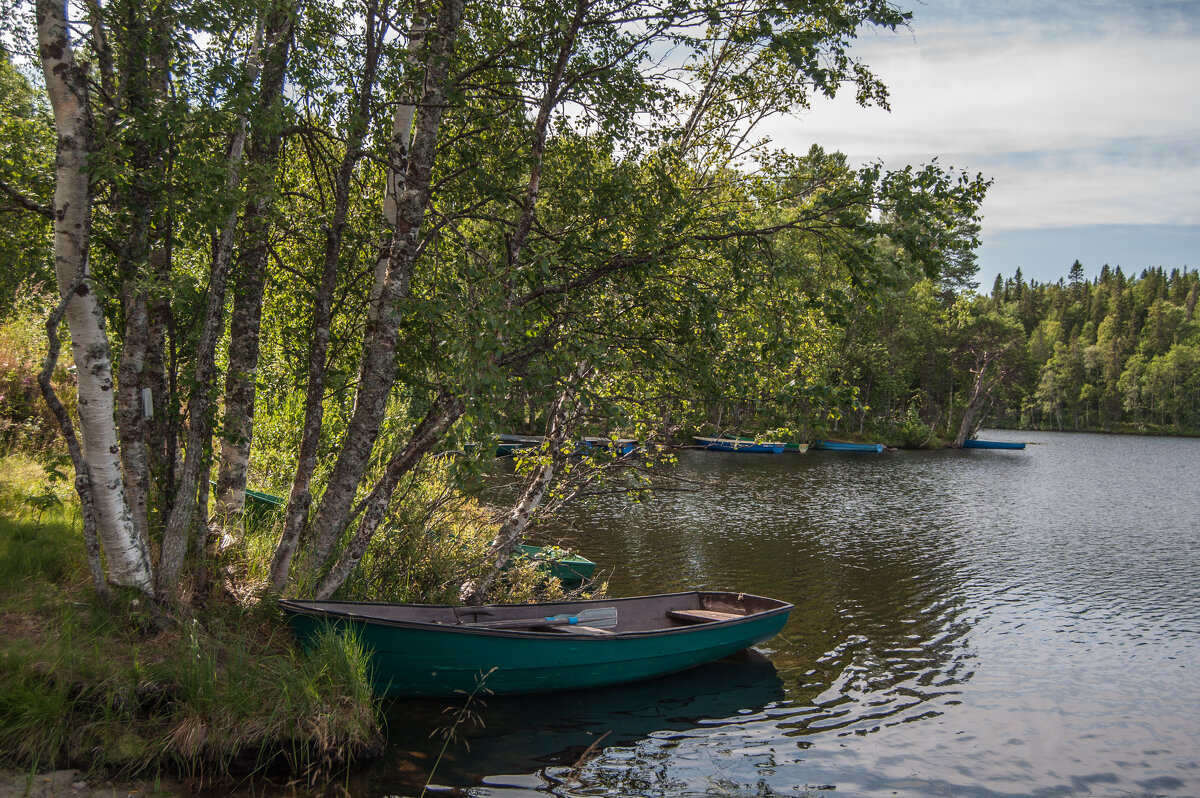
x: 326, y: 241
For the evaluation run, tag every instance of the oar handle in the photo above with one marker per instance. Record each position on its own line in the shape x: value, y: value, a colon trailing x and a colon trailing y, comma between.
x: 522, y: 622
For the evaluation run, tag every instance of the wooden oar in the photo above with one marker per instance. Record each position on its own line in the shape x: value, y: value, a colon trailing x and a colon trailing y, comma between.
x: 601, y: 618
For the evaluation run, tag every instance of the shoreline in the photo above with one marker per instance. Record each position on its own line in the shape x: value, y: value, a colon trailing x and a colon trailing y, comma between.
x: 77, y: 784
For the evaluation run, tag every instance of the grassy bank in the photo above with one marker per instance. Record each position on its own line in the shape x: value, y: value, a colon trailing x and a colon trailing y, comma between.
x: 219, y: 695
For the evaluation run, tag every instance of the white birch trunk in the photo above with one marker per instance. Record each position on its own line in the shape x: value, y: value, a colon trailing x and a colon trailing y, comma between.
x: 66, y: 84
x: 401, y: 143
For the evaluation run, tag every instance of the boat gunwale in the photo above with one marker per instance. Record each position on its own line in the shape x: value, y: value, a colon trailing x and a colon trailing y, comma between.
x: 738, y: 441
x: 295, y: 606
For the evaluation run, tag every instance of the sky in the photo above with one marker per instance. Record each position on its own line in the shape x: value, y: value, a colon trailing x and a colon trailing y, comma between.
x: 1085, y: 114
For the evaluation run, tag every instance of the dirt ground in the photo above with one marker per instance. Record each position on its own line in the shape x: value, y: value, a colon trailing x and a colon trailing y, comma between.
x: 74, y: 784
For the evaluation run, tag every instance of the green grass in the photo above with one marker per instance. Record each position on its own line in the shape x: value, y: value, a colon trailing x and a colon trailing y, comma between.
x: 223, y: 693
x: 40, y: 527
x: 95, y: 686
x: 79, y: 688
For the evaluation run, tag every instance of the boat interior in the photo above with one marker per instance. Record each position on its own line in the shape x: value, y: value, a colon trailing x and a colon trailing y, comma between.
x: 599, y: 618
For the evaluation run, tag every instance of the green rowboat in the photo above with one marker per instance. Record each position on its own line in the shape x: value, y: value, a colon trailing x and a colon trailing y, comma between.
x: 571, y: 569
x: 800, y: 448
x: 442, y: 650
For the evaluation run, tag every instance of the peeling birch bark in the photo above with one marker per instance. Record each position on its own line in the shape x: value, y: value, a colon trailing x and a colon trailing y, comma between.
x: 130, y: 421
x: 66, y: 84
x: 398, y: 152
x: 83, y: 485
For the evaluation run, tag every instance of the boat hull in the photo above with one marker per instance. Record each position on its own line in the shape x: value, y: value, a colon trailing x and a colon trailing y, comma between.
x: 623, y: 447
x: 974, y: 444
x: 799, y: 448
x: 734, y: 445
x: 412, y: 658
x: 572, y: 570
x: 839, y: 446
x: 508, y: 445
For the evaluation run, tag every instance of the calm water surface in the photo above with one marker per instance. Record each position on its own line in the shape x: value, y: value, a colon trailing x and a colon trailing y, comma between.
x: 978, y: 623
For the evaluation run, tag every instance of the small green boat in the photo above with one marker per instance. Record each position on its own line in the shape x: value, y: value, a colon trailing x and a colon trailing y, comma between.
x: 571, y: 569
x: 799, y: 448
x: 259, y: 507
x: 442, y: 650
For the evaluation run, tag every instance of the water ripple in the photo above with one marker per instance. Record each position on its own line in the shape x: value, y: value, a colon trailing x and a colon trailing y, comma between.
x: 977, y: 624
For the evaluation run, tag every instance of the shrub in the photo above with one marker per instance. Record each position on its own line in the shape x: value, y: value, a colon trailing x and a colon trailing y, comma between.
x: 26, y: 423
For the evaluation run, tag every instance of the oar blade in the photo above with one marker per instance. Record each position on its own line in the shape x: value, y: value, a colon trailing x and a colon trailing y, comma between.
x: 600, y: 618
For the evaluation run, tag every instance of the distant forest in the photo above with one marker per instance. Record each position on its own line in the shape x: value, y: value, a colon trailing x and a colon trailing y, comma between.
x: 1115, y: 353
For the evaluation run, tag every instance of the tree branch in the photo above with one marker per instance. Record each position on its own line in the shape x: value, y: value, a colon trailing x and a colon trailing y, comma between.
x: 25, y: 202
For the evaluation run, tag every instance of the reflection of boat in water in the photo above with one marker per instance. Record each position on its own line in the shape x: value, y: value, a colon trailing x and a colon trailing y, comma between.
x: 520, y: 734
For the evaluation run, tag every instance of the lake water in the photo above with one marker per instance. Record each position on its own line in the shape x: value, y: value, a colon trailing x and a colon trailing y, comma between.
x: 967, y: 623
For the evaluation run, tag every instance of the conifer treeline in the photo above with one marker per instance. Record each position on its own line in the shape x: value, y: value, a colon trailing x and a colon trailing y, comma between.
x: 1116, y: 353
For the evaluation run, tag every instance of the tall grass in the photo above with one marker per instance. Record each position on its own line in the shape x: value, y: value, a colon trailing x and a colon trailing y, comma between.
x: 83, y: 690
x: 84, y: 685
x: 40, y: 536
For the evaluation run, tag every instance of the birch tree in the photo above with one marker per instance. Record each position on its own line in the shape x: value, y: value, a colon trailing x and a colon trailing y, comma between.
x: 66, y: 83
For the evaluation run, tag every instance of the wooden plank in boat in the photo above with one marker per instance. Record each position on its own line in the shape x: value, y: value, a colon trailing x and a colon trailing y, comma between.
x: 702, y: 616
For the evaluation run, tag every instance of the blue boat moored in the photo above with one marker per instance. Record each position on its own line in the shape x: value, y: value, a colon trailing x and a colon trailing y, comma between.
x: 623, y: 447
x: 841, y: 446
x: 975, y: 444
x: 735, y: 445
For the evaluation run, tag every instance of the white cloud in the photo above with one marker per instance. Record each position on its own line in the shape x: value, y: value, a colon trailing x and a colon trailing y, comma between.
x: 1102, y: 194
x: 1078, y: 124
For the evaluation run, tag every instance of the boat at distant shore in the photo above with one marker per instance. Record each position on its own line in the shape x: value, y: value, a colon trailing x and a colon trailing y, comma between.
x: 739, y: 445
x: 446, y: 650
x: 621, y: 446
x: 799, y: 448
x: 507, y: 445
x: 977, y: 444
x: 843, y: 446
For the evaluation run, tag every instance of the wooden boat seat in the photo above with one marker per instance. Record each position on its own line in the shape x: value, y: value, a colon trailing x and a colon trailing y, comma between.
x: 577, y: 629
x: 702, y: 616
